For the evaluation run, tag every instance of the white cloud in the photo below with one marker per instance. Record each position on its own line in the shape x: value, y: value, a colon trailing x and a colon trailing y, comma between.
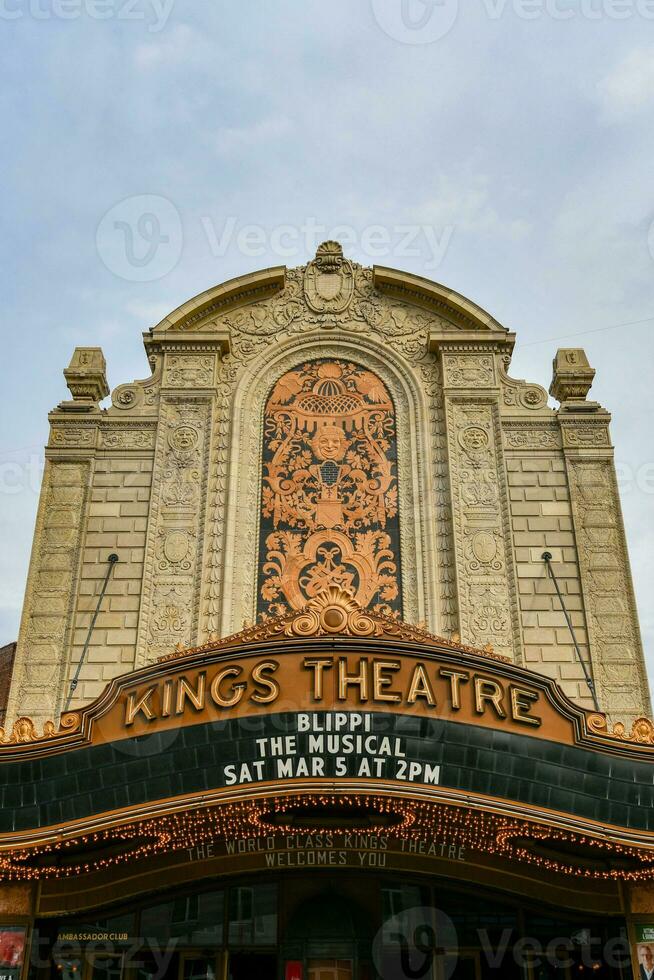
x: 467, y: 205
x: 231, y: 141
x: 629, y: 87
x: 149, y: 313
x: 180, y: 45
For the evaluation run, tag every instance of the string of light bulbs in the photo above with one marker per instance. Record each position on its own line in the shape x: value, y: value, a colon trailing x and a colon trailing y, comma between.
x: 414, y: 821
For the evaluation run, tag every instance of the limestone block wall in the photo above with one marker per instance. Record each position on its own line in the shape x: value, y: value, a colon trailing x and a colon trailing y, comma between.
x: 541, y: 519
x: 564, y: 500
x: 116, y: 523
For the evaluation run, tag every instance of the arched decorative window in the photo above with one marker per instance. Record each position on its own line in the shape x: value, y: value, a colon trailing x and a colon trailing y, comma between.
x: 329, y: 504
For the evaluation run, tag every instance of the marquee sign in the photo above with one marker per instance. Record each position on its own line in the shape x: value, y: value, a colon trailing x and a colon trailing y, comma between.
x: 332, y: 700
x: 403, y: 683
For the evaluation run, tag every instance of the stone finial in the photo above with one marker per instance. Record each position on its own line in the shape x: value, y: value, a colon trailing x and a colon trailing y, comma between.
x: 573, y: 375
x: 329, y: 256
x: 329, y: 280
x: 86, y: 376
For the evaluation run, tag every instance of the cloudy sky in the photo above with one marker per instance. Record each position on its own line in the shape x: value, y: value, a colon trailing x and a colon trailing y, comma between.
x: 153, y: 148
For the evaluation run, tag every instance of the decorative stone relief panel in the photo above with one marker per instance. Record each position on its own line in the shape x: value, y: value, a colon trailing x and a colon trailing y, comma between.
x: 41, y: 655
x: 213, y: 575
x: 195, y: 371
x: 591, y: 434
x: 126, y: 437
x: 329, y: 508
x: 469, y: 372
x: 73, y: 436
x: 139, y: 397
x: 446, y: 596
x: 176, y: 524
x: 339, y: 294
x: 520, y: 397
x: 486, y: 592
x: 611, y: 608
x: 527, y: 435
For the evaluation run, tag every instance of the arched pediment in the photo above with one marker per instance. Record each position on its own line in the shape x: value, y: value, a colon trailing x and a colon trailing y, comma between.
x: 329, y: 291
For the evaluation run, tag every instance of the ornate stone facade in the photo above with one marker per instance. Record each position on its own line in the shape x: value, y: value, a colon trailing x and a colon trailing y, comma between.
x: 182, y: 478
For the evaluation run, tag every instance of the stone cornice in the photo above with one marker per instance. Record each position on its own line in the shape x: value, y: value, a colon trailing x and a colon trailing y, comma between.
x: 470, y: 342
x: 433, y: 296
x: 235, y: 292
x: 206, y: 343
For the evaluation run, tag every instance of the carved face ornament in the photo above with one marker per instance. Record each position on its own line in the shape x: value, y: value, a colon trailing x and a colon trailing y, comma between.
x: 330, y: 443
x: 474, y: 438
x: 184, y: 438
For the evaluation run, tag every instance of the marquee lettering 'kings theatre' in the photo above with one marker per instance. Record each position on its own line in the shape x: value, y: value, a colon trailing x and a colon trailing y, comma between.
x: 329, y: 665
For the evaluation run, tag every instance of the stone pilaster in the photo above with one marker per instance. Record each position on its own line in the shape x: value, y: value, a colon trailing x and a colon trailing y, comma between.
x: 609, y: 598
x: 486, y: 588
x: 176, y: 527
x: 609, y: 601
x: 46, y: 625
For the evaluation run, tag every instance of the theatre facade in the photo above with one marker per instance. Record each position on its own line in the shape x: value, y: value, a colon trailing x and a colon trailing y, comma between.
x: 329, y: 665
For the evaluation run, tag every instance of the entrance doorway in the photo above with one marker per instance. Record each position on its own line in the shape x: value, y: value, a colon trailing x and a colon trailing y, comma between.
x: 331, y: 970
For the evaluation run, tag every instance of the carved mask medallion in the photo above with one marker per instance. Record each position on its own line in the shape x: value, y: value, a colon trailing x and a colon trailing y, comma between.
x: 329, y: 280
